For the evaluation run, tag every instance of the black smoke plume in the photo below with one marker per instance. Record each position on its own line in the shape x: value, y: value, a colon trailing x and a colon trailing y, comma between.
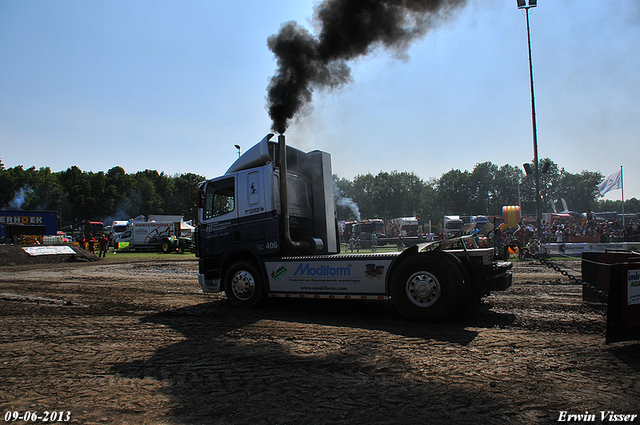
x: 348, y: 29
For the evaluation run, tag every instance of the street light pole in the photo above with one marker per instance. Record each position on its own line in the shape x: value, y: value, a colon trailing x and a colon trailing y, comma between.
x: 521, y: 5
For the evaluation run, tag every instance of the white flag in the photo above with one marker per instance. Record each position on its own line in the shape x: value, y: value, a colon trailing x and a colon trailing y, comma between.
x: 612, y: 182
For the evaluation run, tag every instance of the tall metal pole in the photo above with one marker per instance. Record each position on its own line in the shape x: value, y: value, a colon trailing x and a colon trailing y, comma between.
x: 622, y: 188
x: 535, y: 133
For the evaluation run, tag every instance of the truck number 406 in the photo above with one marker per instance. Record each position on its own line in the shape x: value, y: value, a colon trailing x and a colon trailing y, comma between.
x: 273, y: 245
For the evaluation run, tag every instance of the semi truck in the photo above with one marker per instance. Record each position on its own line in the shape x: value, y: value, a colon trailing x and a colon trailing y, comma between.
x: 451, y: 225
x: 92, y: 228
x: 402, y: 226
x: 268, y: 228
x: 365, y: 229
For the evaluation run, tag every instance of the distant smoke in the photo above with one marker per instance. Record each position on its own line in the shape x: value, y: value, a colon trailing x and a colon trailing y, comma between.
x: 349, y: 203
x: 345, y: 202
x: 348, y: 29
x: 20, y: 197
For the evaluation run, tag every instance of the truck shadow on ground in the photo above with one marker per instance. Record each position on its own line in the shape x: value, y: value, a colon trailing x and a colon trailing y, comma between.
x: 311, y: 361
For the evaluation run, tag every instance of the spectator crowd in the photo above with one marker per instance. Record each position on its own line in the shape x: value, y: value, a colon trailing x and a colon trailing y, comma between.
x: 564, y: 231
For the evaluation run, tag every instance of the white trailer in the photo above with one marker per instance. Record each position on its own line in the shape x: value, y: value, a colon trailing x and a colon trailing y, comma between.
x: 145, y: 235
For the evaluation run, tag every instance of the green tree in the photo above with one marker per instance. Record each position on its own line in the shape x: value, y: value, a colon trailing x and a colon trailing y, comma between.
x: 506, y: 188
x: 146, y: 199
x: 47, y: 194
x: 481, y: 185
x: 364, y: 193
x: 77, y: 187
x: 580, y: 190
x: 454, y: 192
x: 183, y: 200
x: 117, y: 194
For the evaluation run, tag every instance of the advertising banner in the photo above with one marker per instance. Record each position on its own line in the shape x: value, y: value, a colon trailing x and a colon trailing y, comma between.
x: 351, y: 276
x: 48, y: 250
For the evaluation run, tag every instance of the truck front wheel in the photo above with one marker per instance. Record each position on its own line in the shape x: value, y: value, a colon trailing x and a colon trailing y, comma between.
x: 425, y: 288
x: 243, y: 285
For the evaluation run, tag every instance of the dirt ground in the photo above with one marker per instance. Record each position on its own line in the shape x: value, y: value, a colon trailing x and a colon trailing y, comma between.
x: 138, y: 343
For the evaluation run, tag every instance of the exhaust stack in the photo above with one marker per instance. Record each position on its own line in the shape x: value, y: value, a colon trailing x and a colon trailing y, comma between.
x: 314, y: 243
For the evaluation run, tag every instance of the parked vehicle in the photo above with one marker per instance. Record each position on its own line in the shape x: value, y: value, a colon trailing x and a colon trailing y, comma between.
x: 145, y: 236
x: 451, y: 225
x: 92, y: 228
x: 365, y: 230
x: 402, y: 226
x: 181, y: 241
x: 118, y: 227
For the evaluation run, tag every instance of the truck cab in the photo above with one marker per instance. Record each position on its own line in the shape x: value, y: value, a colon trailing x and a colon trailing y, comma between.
x: 240, y: 214
x: 451, y: 225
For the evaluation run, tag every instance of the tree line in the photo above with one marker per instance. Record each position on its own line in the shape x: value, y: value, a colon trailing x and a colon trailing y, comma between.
x: 481, y: 191
x: 115, y: 195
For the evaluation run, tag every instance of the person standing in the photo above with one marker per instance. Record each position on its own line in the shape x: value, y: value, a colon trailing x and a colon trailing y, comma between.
x: 104, y: 245
x: 560, y: 239
x: 92, y: 244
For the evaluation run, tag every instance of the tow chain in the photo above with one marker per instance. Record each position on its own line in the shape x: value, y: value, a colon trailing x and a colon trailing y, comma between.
x: 535, y: 245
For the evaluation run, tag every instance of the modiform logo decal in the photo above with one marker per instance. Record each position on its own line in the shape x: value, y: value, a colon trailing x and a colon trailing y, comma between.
x: 322, y: 270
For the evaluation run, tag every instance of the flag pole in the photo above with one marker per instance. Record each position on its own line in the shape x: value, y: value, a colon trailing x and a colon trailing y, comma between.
x: 622, y: 187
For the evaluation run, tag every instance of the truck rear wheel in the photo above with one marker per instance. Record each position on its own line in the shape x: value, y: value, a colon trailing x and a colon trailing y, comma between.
x: 427, y: 288
x: 243, y: 285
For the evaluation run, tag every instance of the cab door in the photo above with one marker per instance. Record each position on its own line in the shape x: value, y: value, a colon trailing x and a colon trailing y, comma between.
x: 219, y: 216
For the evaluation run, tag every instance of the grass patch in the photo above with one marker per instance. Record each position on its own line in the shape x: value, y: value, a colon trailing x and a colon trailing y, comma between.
x: 131, y: 256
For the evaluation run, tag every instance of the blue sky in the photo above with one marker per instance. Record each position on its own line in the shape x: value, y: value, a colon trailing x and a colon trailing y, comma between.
x: 173, y: 86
